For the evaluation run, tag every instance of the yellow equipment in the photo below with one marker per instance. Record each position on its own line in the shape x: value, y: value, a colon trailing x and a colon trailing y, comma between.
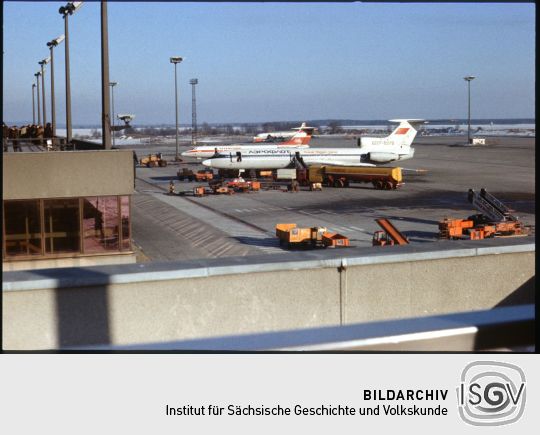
x: 153, y: 160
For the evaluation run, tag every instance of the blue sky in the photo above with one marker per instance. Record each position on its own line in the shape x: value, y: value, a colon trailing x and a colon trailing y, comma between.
x: 279, y: 61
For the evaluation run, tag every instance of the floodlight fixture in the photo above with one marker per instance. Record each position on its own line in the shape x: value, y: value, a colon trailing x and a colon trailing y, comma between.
x: 45, y: 61
x: 56, y: 41
x: 176, y: 59
x: 469, y: 78
x: 70, y: 8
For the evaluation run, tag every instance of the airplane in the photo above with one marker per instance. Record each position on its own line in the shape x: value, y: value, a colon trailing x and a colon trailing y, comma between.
x: 277, y: 136
x: 299, y: 140
x: 372, y: 151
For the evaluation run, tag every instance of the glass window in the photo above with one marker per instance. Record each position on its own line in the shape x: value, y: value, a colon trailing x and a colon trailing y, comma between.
x: 101, y: 224
x: 126, y: 223
x: 62, y: 227
x: 22, y: 228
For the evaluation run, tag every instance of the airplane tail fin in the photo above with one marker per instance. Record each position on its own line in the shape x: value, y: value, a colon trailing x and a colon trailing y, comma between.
x: 405, y: 132
x: 302, y: 136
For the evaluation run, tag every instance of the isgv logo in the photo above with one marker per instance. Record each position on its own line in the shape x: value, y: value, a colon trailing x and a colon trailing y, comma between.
x: 491, y: 393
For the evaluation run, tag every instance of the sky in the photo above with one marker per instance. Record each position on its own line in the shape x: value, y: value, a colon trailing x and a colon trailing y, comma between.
x: 259, y: 62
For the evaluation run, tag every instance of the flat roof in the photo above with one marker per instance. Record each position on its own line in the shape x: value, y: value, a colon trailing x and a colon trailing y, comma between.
x: 65, y: 174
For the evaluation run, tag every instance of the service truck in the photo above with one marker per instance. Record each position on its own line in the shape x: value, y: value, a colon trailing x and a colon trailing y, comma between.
x: 340, y: 176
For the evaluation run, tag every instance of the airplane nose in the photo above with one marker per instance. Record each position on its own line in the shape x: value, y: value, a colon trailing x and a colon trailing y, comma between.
x: 207, y: 162
x: 186, y: 154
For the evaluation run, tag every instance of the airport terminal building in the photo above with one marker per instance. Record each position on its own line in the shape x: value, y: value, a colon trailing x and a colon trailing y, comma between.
x: 64, y: 209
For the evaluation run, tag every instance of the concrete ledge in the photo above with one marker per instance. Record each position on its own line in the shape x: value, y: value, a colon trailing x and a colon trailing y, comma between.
x: 148, y: 272
x: 160, y: 302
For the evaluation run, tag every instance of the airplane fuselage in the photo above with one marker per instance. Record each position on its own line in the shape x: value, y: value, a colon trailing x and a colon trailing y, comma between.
x: 283, y: 158
x: 209, y: 151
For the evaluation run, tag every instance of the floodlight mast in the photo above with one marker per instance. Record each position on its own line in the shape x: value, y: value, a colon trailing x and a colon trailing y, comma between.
x: 193, y: 82
x: 112, y: 85
x: 468, y: 79
x: 176, y: 60
x: 37, y: 93
x: 33, y: 105
x: 43, y: 63
x: 66, y: 11
x: 51, y: 45
x: 105, y: 99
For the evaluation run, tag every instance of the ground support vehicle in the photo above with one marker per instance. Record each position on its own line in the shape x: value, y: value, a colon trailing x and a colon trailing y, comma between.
x: 240, y: 185
x: 188, y: 174
x: 204, y: 175
x: 199, y: 191
x: 495, y: 220
x: 389, y: 236
x: 185, y: 174
x: 153, y: 160
x: 341, y: 176
x: 222, y: 190
x: 290, y: 235
x: 454, y: 228
x: 334, y: 240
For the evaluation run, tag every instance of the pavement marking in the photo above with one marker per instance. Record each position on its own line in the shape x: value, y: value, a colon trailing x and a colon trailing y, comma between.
x: 238, y: 230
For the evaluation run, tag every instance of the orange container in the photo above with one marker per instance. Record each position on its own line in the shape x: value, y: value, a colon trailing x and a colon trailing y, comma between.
x: 334, y: 240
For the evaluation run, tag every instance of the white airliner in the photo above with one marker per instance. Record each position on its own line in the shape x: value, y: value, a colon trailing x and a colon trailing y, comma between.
x: 372, y: 151
x: 299, y: 140
x: 277, y: 136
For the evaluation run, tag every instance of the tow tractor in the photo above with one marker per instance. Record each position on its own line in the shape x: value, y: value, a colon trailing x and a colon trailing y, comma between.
x: 315, y: 237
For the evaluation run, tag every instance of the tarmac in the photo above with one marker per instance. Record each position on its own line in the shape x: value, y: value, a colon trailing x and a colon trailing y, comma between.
x: 184, y: 227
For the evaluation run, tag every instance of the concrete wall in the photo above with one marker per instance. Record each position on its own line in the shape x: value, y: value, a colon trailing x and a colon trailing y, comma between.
x: 65, y: 174
x: 174, y: 301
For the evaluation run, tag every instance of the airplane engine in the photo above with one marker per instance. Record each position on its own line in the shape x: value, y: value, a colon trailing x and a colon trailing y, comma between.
x: 383, y: 157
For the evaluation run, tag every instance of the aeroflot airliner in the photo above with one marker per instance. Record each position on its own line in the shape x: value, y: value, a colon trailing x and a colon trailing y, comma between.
x: 277, y: 136
x: 299, y: 140
x: 372, y: 151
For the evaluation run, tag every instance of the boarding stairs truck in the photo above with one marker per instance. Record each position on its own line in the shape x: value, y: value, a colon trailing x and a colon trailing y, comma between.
x: 495, y: 220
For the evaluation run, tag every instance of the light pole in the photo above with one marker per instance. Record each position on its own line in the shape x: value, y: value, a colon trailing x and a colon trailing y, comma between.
x: 468, y: 79
x: 105, y: 108
x: 193, y: 82
x: 33, y: 105
x: 66, y: 11
x: 112, y: 85
x: 176, y: 60
x: 51, y: 45
x: 38, y: 105
x: 43, y: 63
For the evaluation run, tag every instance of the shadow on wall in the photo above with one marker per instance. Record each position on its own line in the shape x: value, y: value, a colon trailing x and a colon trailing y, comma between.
x: 523, y: 295
x: 520, y: 340
x: 82, y: 313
